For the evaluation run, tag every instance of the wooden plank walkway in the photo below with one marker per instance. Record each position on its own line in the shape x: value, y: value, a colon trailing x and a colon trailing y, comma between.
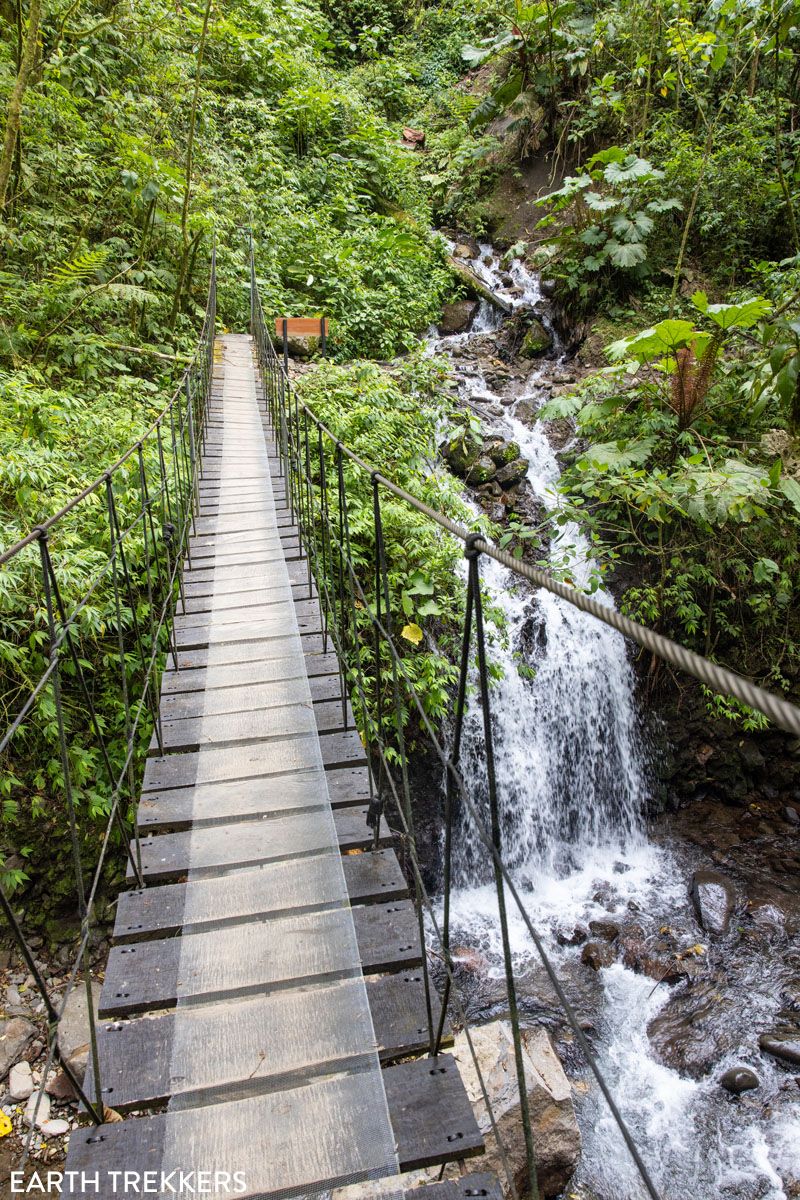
x: 268, y: 972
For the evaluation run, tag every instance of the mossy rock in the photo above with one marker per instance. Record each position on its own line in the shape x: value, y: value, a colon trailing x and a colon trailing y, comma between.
x: 500, y: 452
x: 482, y: 470
x: 513, y: 473
x: 462, y: 451
x: 537, y: 341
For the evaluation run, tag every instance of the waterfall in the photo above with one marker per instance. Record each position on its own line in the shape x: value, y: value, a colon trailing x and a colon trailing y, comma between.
x: 572, y: 776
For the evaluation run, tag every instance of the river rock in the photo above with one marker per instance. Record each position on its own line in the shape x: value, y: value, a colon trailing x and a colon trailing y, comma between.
x: 466, y: 247
x: 738, y: 1080
x: 500, y: 452
x: 457, y: 317
x: 556, y: 1135
x: 513, y: 472
x: 693, y: 1030
x: 461, y: 451
x: 548, y: 288
x: 792, y: 815
x: 597, y: 955
x: 783, y: 1043
x: 15, y: 1036
x: 482, y: 470
x: 20, y: 1081
x: 607, y: 930
x: 713, y: 898
x: 537, y: 340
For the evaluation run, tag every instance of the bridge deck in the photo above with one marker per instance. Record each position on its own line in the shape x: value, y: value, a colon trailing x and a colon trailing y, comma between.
x: 274, y: 950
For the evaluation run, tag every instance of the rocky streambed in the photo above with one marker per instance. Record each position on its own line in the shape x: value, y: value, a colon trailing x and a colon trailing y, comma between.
x: 677, y: 938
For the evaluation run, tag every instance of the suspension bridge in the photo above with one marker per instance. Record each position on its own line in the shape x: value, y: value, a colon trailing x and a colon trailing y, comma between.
x: 267, y: 1021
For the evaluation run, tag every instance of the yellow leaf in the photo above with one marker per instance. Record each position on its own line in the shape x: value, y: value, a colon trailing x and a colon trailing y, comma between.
x: 5, y: 1125
x: 412, y: 633
x: 663, y: 91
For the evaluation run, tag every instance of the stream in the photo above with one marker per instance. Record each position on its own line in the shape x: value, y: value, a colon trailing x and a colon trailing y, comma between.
x: 574, y: 779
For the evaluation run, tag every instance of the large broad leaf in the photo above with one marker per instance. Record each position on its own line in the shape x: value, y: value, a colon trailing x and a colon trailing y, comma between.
x: 664, y: 339
x: 791, y: 490
x: 626, y: 254
x: 620, y: 454
x: 632, y: 228
x: 632, y: 167
x: 601, y: 203
x: 744, y: 315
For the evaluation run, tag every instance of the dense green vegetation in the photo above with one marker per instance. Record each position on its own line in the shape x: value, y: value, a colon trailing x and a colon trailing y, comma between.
x: 664, y: 135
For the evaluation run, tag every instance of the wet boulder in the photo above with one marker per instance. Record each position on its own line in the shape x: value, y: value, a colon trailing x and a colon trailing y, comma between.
x: 482, y: 470
x: 556, y: 1135
x: 512, y: 473
x: 783, y: 1042
x: 607, y: 930
x: 693, y: 1030
x: 713, y: 899
x: 501, y: 452
x: 738, y: 1080
x: 537, y: 340
x: 457, y: 317
x: 597, y: 955
x: 461, y: 451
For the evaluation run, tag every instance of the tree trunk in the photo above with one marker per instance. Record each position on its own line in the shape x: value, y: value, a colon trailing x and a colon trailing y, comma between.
x: 14, y: 111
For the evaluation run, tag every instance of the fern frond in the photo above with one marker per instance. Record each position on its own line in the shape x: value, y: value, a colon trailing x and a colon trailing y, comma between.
x: 78, y: 269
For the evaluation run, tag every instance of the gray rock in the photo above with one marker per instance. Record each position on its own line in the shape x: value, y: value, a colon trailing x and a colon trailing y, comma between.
x: 482, y: 470
x: 556, y: 1135
x: 548, y: 288
x: 73, y: 1028
x: 15, y: 1036
x: 55, y: 1128
x: 457, y: 317
x: 42, y: 1110
x: 783, y: 1044
x: 13, y: 998
x: 537, y: 340
x: 513, y: 472
x: 20, y: 1081
x: 791, y: 815
x: 713, y: 898
x: 738, y: 1080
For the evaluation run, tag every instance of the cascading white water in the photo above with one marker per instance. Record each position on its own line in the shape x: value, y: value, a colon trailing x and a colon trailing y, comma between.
x: 572, y: 779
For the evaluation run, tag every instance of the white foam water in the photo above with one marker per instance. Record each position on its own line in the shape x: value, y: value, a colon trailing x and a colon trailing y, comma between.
x: 572, y: 776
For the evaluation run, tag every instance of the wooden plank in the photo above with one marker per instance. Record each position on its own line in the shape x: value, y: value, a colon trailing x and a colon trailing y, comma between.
x: 258, y: 1039
x: 273, y: 889
x: 242, y: 669
x: 235, y: 694
x: 274, y: 647
x: 256, y: 956
x: 430, y: 1114
x: 263, y: 722
x: 218, y: 803
x: 207, y: 848
x: 301, y: 326
x: 252, y: 759
x: 200, y: 636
